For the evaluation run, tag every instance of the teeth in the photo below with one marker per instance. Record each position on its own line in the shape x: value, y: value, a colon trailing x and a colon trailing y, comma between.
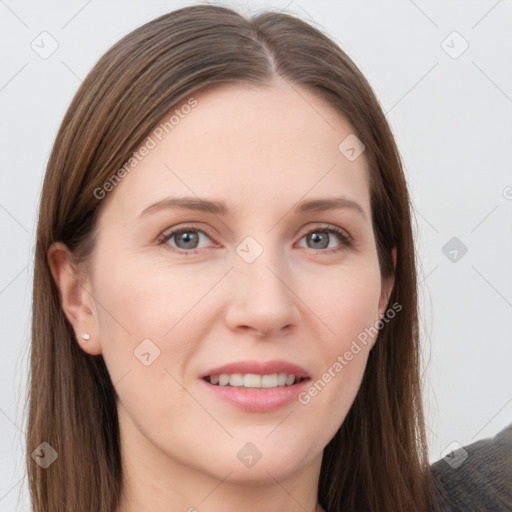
x: 269, y: 381
x: 251, y: 380
x: 237, y: 379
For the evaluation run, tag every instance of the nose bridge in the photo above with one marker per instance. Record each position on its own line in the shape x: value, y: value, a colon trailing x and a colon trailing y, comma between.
x: 262, y: 298
x: 262, y: 268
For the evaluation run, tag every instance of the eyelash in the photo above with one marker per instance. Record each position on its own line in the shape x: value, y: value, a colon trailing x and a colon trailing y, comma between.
x: 347, y: 241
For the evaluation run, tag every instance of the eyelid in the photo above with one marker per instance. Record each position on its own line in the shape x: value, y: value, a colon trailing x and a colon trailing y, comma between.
x: 177, y: 229
x: 324, y: 226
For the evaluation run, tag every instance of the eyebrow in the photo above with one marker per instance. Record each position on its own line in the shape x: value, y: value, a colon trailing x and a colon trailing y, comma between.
x: 220, y: 208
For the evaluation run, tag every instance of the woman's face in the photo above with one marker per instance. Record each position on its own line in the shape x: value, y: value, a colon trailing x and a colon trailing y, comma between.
x: 257, y: 284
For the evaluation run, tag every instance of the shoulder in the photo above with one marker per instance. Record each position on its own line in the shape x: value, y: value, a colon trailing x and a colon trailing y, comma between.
x: 476, y: 477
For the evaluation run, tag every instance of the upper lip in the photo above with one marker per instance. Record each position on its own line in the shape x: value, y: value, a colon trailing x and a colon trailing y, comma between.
x: 258, y: 368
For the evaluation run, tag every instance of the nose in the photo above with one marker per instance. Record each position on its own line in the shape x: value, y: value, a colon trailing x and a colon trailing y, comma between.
x: 261, y: 297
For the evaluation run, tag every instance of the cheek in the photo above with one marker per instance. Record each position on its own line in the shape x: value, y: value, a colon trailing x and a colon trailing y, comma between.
x: 346, y: 301
x: 141, y: 298
x: 149, y: 321
x: 349, y: 310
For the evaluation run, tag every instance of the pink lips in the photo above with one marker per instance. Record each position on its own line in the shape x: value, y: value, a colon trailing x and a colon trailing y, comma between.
x: 257, y: 399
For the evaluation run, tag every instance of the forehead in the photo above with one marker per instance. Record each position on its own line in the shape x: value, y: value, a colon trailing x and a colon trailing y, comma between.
x: 251, y: 146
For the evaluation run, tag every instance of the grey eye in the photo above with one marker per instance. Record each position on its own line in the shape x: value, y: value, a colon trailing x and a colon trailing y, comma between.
x: 319, y: 238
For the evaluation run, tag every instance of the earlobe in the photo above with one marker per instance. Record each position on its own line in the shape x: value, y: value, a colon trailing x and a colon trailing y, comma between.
x: 77, y: 303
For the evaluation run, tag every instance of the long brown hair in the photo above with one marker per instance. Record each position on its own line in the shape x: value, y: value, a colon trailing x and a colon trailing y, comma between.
x: 377, y: 461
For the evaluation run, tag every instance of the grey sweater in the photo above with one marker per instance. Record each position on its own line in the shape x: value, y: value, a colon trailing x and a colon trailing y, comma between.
x: 477, y: 477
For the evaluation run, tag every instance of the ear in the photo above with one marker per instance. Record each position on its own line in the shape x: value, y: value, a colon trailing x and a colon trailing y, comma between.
x: 75, y: 296
x: 387, y: 286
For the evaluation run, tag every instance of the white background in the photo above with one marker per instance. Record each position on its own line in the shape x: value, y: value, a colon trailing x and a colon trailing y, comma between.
x: 452, y: 121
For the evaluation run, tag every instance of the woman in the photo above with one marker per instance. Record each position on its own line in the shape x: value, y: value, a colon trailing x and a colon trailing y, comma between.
x: 225, y: 309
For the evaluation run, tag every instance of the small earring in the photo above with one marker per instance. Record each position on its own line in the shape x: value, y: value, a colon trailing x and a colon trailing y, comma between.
x: 85, y: 336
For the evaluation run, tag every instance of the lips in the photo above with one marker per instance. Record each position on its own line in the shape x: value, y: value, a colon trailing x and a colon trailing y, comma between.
x: 257, y: 387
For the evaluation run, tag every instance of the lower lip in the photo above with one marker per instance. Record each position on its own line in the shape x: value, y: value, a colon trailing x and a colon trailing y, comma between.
x: 258, y: 399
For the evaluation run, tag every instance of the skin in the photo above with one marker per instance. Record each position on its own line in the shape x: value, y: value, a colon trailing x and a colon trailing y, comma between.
x: 262, y: 151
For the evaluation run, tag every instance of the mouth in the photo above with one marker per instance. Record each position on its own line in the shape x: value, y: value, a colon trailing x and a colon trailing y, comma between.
x: 256, y: 386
